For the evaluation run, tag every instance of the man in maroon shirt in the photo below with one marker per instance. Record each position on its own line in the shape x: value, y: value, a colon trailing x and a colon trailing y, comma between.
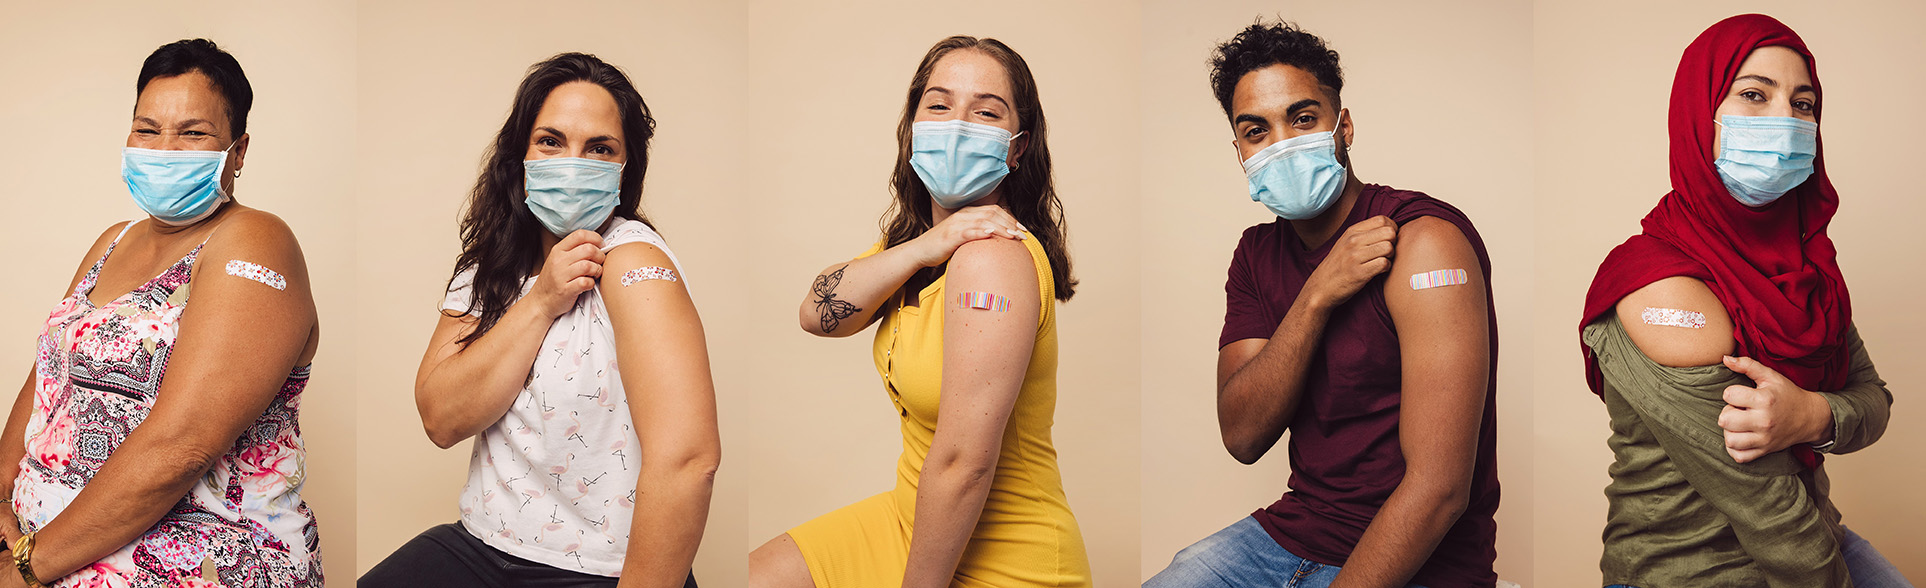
x: 1361, y: 321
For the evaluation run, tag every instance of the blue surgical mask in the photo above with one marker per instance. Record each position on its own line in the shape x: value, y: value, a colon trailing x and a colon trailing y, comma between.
x: 175, y: 187
x: 1297, y: 178
x: 959, y: 161
x: 570, y: 193
x: 1763, y: 157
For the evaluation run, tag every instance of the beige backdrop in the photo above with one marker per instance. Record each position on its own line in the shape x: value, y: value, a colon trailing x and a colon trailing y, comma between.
x: 1436, y: 94
x: 1603, y: 82
x: 817, y: 431
x: 438, y: 79
x: 70, y: 73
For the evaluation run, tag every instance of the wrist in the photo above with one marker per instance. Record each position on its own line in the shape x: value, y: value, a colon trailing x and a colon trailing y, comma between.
x: 1821, y: 429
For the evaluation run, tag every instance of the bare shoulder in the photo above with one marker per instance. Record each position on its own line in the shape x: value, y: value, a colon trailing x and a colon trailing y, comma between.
x: 997, y: 258
x: 638, y: 254
x: 1434, y: 268
x: 250, y: 232
x: 1428, y: 237
x: 632, y: 265
x: 1677, y: 322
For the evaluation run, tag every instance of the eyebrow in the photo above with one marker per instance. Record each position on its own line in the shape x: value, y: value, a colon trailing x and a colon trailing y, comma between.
x: 184, y: 124
x: 1294, y: 107
x: 564, y: 136
x: 1770, y: 82
x: 946, y: 91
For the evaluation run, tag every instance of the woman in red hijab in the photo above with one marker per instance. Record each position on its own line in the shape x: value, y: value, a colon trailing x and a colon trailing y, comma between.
x: 1721, y: 339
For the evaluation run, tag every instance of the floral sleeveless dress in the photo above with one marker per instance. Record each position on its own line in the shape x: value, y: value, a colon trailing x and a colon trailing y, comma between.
x: 98, y: 373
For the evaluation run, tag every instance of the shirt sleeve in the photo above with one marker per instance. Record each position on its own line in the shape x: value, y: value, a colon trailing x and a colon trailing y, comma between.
x: 1766, y: 502
x: 461, y: 291
x: 1246, y: 315
x: 1861, y: 409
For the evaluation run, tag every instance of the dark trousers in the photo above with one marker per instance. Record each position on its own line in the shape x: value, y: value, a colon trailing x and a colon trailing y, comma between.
x: 447, y: 555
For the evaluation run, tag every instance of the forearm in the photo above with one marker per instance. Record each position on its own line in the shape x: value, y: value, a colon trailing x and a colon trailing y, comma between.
x: 949, y: 500
x: 139, y: 484
x: 470, y: 390
x: 864, y: 285
x: 1859, y: 412
x: 1402, y: 535
x: 13, y: 448
x: 671, y: 509
x: 1256, y: 403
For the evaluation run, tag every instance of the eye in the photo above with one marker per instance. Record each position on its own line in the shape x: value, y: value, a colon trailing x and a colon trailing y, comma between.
x: 1752, y: 95
x: 193, y: 134
x: 1304, y: 120
x: 548, y: 142
x: 1254, y: 132
x: 1804, y: 105
x: 936, y: 108
x: 602, y: 150
x: 147, y: 131
x: 988, y: 114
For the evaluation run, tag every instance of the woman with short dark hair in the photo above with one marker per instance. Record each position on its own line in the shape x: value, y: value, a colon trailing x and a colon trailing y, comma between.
x: 155, y: 446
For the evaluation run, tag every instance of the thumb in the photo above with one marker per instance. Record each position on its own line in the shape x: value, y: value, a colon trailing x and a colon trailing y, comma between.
x: 1750, y: 368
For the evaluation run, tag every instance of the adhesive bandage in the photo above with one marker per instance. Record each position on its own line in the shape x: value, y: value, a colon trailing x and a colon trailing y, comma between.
x: 257, y: 273
x: 983, y: 301
x: 647, y: 273
x: 1436, y: 278
x: 1672, y: 317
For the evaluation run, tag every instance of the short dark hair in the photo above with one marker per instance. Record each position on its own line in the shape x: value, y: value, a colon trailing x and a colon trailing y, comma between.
x: 202, y: 55
x: 1263, y: 45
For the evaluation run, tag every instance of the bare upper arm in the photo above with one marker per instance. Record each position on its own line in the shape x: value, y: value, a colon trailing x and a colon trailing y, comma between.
x: 1677, y: 300
x: 239, y: 337
x: 1232, y: 357
x: 1444, y: 341
x: 986, y: 352
x: 660, y: 349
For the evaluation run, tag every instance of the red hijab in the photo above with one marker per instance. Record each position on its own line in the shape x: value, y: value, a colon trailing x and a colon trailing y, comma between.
x: 1773, y: 268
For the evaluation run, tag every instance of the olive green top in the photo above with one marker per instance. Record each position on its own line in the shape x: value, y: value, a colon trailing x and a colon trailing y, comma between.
x: 1682, y: 512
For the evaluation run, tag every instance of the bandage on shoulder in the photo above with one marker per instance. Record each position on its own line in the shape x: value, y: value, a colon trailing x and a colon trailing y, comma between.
x: 253, y: 271
x: 642, y: 274
x: 1436, y: 278
x: 983, y: 301
x: 1672, y: 317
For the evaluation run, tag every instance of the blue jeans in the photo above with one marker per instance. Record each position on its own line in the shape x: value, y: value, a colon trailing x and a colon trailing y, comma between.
x: 1242, y: 555
x: 1867, y: 567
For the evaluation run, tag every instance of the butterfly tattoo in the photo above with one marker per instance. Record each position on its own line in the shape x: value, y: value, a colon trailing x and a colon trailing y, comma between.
x: 833, y: 311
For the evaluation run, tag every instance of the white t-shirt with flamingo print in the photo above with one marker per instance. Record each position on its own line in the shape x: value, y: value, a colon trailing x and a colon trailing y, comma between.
x: 553, y: 481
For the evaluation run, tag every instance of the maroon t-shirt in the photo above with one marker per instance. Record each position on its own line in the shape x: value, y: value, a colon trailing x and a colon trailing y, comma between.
x: 1345, y: 458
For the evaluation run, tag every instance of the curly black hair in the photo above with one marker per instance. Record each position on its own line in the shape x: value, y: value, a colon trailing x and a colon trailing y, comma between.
x: 1263, y: 45
x: 201, y: 55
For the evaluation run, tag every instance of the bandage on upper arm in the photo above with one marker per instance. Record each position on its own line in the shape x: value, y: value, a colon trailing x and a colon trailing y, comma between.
x: 254, y: 271
x: 643, y: 274
x: 983, y: 301
x: 1439, y: 278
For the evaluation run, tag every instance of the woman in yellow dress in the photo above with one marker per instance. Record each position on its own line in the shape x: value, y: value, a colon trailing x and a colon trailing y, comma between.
x: 974, y: 239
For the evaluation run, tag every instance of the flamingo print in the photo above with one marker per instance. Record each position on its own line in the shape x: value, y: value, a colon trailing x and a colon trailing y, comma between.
x: 557, y: 471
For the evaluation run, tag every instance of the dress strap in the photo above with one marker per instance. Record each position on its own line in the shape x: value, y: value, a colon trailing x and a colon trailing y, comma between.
x: 86, y: 284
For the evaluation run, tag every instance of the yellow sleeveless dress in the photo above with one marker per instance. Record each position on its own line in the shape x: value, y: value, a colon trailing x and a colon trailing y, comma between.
x: 1026, y: 536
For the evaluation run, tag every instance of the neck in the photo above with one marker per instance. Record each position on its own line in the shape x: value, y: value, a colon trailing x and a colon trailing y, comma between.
x: 1315, y: 232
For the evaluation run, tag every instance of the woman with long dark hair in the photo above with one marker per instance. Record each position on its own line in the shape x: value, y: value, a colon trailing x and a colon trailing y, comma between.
x: 569, y: 348
x: 963, y: 283
x: 157, y: 445
x: 1722, y: 341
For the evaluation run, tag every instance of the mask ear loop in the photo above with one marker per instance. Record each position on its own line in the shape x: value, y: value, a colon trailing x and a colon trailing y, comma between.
x: 1012, y: 143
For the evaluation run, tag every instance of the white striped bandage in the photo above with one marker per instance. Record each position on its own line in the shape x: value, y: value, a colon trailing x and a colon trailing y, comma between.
x: 1436, y: 278
x: 983, y: 301
x: 257, y: 273
x: 647, y: 273
x: 1672, y: 317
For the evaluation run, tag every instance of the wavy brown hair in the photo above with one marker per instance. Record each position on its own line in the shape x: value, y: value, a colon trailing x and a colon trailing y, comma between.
x: 500, y: 239
x: 1028, y: 192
